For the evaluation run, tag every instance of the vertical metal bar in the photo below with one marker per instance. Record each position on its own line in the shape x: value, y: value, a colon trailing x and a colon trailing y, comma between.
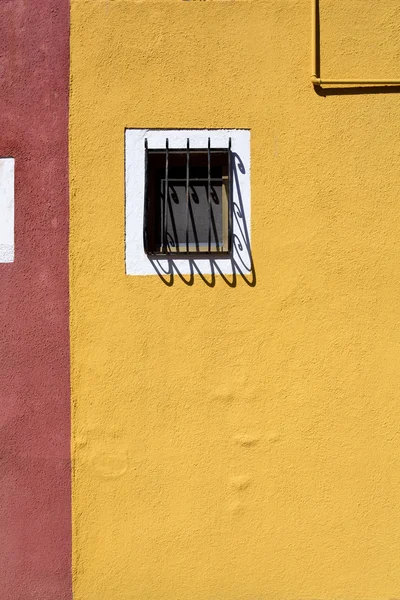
x: 165, y: 199
x: 212, y: 224
x: 146, y: 200
x: 187, y: 196
x: 172, y: 219
x: 230, y: 199
x: 209, y: 192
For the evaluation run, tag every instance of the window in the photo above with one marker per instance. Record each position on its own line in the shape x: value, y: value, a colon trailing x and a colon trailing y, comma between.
x: 176, y: 236
x: 187, y: 201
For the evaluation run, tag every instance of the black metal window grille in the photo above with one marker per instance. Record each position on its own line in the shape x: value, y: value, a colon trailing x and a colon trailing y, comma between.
x: 188, y: 204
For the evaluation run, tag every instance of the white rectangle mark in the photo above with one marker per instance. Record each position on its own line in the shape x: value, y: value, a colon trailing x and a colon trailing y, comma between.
x: 7, y: 210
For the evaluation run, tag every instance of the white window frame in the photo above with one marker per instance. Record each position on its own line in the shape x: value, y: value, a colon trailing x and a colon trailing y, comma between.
x: 137, y: 262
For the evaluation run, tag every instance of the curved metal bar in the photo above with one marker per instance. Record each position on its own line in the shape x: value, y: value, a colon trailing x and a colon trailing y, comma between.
x: 187, y: 195
x: 209, y: 192
x: 165, y: 199
x: 230, y: 197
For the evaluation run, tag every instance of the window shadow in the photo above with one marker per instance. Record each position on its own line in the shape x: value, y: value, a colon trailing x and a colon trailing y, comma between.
x: 241, y: 264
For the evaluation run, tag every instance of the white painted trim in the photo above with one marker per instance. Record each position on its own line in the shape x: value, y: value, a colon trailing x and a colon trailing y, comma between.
x: 137, y: 262
x: 7, y: 210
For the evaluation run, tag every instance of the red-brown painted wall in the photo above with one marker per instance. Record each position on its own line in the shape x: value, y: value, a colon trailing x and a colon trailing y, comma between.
x: 35, y: 523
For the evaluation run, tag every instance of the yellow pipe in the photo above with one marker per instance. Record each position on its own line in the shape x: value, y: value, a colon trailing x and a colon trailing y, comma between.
x: 314, y: 41
x: 314, y: 62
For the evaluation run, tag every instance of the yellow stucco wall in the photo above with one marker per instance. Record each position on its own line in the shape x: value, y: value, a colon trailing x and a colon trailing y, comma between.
x: 239, y: 443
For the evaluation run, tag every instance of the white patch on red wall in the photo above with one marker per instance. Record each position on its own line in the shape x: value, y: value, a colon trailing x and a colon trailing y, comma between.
x: 7, y: 210
x: 137, y: 261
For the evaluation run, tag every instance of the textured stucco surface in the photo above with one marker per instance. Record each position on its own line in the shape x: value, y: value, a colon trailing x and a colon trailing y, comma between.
x: 35, y: 467
x: 239, y: 443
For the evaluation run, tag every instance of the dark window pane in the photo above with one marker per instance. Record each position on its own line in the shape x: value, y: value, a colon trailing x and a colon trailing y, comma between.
x: 196, y: 209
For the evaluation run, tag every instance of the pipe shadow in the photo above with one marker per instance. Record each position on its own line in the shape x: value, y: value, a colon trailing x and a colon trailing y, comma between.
x: 241, y: 264
x: 356, y: 90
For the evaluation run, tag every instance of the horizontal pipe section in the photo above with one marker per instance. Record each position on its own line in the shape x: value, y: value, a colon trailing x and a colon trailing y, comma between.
x: 319, y: 81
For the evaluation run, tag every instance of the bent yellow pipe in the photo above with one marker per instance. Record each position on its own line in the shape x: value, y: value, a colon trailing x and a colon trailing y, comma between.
x: 314, y: 61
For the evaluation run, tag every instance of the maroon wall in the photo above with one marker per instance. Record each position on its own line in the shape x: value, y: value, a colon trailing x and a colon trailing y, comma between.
x: 35, y: 521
